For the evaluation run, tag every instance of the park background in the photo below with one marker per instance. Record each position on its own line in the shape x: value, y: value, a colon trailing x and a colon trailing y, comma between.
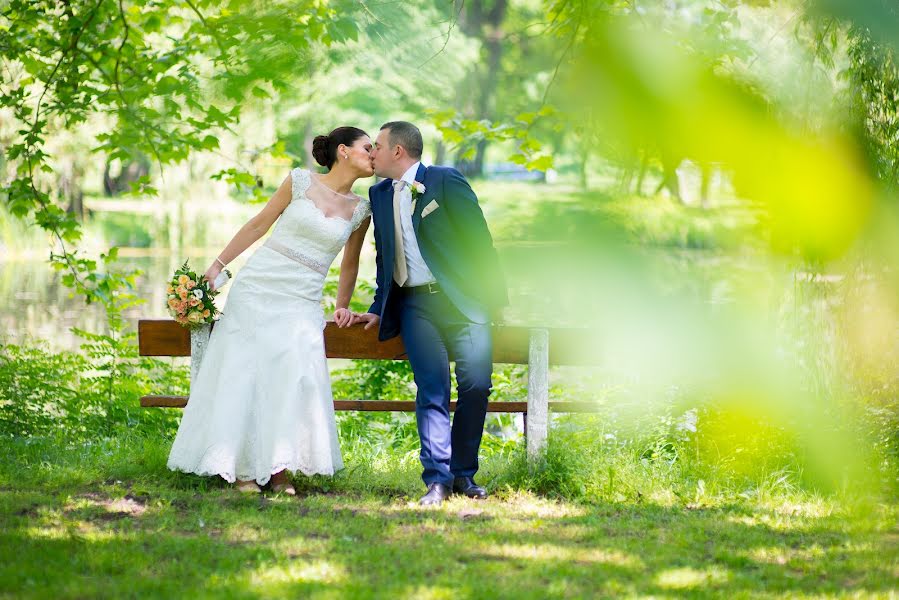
x: 706, y: 188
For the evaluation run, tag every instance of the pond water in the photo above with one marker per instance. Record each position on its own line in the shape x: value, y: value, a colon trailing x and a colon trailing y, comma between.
x: 157, y: 237
x: 35, y: 305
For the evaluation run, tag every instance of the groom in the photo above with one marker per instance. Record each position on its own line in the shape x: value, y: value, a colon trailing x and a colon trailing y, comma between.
x: 439, y: 286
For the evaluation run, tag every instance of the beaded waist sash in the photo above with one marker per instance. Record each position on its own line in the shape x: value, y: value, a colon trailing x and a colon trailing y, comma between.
x: 303, y: 259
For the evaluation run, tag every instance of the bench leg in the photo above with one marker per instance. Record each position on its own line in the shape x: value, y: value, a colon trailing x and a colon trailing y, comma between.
x: 537, y: 419
x: 524, y: 420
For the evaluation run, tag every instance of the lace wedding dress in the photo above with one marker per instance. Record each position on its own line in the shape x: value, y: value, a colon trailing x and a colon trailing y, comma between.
x: 261, y: 401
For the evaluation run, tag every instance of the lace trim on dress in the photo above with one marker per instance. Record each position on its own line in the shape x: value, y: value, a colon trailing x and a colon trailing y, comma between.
x: 296, y: 255
x: 222, y: 464
x: 299, y: 181
x: 302, y: 180
x: 361, y: 215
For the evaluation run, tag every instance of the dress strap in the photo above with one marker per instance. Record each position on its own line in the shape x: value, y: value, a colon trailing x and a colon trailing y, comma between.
x: 300, y: 180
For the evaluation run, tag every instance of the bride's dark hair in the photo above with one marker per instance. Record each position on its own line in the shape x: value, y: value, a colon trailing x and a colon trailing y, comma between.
x: 324, y: 147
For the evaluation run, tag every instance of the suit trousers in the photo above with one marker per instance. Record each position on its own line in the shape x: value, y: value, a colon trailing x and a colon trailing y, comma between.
x: 434, y: 333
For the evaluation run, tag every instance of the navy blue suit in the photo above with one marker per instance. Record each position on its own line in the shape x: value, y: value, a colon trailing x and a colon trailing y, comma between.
x: 453, y: 324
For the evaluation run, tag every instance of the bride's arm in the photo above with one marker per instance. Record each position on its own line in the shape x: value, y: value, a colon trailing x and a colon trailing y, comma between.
x: 349, y: 270
x: 254, y: 229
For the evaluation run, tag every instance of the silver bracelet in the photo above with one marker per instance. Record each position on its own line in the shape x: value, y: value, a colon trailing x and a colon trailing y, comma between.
x: 220, y: 262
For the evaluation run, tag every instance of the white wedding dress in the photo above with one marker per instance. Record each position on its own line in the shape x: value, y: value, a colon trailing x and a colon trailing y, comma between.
x: 261, y: 401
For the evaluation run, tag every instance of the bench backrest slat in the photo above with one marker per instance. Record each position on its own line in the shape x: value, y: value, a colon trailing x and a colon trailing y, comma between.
x: 165, y: 337
x: 162, y: 337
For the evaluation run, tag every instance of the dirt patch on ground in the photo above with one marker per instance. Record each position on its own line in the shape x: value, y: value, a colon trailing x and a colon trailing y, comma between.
x: 467, y: 514
x: 129, y: 506
x: 28, y: 511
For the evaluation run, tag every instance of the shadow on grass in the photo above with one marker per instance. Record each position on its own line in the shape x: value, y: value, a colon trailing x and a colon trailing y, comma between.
x: 183, y: 536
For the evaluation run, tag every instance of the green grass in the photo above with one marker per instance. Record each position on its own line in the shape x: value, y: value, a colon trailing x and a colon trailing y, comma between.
x: 109, y: 520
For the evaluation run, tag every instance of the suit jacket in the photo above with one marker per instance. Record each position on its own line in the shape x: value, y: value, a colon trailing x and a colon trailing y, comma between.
x: 454, y: 242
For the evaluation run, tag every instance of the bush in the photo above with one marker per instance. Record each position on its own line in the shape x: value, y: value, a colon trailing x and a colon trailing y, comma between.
x: 45, y: 393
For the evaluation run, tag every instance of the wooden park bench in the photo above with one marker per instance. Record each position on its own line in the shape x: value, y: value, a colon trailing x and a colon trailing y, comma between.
x: 538, y: 348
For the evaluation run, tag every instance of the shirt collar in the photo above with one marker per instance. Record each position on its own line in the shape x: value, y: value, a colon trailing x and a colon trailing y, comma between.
x: 409, y: 175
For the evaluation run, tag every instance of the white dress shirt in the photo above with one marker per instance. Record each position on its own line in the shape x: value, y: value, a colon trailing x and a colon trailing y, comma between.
x: 417, y: 269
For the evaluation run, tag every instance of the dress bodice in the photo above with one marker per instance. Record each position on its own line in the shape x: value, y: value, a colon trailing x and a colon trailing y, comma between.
x: 306, y: 234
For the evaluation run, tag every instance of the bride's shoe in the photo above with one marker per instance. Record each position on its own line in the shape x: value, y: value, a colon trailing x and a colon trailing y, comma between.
x: 284, y: 488
x: 247, y: 487
x: 281, y: 484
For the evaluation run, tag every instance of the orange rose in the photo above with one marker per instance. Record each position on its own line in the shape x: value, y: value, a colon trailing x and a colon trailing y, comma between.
x: 194, y: 302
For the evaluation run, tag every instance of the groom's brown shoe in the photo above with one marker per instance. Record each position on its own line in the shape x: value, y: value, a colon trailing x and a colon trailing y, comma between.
x: 437, y: 493
x: 467, y: 486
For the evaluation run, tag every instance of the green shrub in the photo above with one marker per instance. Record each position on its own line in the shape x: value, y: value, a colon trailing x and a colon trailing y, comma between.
x: 45, y: 393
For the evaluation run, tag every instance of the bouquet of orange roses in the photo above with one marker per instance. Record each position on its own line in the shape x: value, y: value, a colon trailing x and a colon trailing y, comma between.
x: 189, y: 298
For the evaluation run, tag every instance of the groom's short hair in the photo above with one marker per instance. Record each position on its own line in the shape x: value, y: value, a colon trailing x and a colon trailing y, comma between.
x: 406, y: 135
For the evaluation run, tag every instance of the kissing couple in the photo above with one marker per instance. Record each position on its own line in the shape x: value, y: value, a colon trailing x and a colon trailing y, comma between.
x: 261, y: 406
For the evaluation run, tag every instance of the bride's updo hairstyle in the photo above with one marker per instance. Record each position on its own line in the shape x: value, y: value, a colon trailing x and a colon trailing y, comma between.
x: 324, y: 147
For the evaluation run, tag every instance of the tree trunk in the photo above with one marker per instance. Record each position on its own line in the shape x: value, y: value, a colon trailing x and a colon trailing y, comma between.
x: 483, y: 19
x: 625, y: 179
x: 670, y: 180
x: 582, y: 170
x: 307, y: 147
x: 76, y: 205
x: 641, y: 176
x: 472, y: 167
x: 113, y: 185
x: 70, y: 190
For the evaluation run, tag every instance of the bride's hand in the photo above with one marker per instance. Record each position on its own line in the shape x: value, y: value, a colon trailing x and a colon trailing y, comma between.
x: 343, y: 317
x: 211, y: 273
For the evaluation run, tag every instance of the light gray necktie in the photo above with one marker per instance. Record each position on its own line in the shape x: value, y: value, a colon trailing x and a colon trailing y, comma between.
x: 400, y: 275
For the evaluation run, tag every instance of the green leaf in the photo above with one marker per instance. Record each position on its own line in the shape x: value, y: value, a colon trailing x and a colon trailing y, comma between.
x: 541, y: 163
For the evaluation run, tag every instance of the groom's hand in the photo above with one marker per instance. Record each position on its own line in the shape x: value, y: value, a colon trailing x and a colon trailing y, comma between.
x: 370, y: 320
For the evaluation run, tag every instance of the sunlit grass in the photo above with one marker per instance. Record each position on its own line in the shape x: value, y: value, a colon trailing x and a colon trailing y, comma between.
x: 688, y: 578
x: 154, y: 533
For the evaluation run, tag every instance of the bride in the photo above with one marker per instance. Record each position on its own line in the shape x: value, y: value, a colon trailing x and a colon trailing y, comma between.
x: 261, y: 404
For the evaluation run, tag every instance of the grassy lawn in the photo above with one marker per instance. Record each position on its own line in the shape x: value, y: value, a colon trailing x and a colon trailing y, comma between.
x: 109, y: 520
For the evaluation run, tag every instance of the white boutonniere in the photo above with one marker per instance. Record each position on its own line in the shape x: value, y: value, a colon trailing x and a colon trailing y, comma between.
x: 417, y: 188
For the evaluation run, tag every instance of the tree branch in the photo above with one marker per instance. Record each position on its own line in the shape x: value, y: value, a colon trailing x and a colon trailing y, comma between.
x: 565, y: 52
x: 449, y: 32
x: 212, y: 31
x: 34, y: 126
